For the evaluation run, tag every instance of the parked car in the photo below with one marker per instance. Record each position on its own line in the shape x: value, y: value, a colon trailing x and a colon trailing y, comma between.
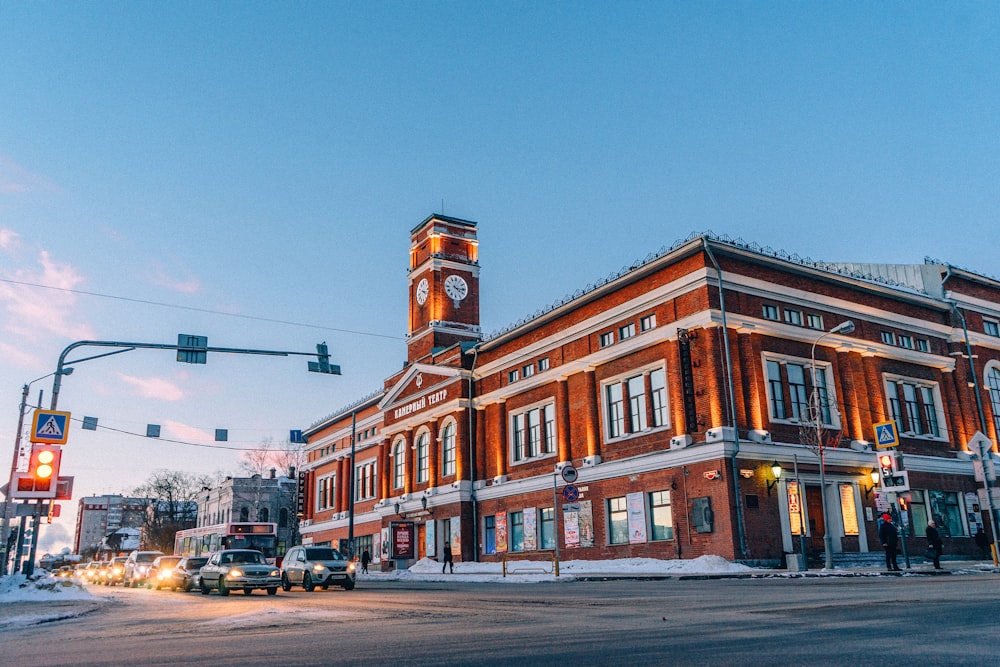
x: 186, y: 575
x: 101, y: 573
x: 239, y: 569
x: 309, y: 567
x: 137, y: 567
x: 160, y: 572
x: 116, y: 571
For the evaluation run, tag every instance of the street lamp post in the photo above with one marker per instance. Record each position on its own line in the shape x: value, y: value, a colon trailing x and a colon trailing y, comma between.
x: 844, y: 328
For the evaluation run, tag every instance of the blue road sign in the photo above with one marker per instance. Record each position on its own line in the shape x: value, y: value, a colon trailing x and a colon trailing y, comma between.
x: 885, y: 435
x: 50, y: 427
x: 571, y: 493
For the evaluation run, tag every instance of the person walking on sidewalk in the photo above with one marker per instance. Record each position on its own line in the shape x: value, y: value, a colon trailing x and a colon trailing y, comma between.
x: 889, y: 537
x: 449, y: 561
x: 934, y: 544
x: 365, y: 559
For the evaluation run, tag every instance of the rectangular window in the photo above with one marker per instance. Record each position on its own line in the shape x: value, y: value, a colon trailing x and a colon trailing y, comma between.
x: 814, y: 321
x: 991, y: 327
x: 364, y: 481
x: 889, y: 338
x: 795, y: 381
x: 647, y: 322
x: 533, y: 433
x: 626, y: 331
x: 905, y: 341
x: 543, y: 364
x: 947, y: 513
x: 607, y: 338
x: 528, y: 370
x: 661, y: 516
x: 615, y: 411
x: 513, y: 376
x: 923, y: 345
x: 797, y: 391
x: 776, y: 390
x: 630, y: 404
x: 549, y: 422
x: 637, y: 403
x: 516, y: 522
x: 793, y: 317
x: 547, y: 528
x: 658, y: 395
x: 489, y: 535
x: 519, y: 443
x: 770, y: 312
x: 326, y: 498
x: 617, y: 521
x: 914, y: 407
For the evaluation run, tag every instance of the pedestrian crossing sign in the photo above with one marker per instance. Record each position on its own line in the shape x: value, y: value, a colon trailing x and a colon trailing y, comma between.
x: 50, y: 427
x: 885, y: 435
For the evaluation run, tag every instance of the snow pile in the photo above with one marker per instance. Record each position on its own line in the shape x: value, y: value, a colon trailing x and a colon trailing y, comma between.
x: 42, y: 587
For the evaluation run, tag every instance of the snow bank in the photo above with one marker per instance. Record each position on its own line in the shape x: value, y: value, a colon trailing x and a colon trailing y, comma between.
x: 42, y: 587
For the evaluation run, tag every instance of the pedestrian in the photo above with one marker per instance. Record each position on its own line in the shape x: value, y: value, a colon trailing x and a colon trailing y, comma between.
x: 449, y: 561
x: 889, y: 536
x: 983, y: 543
x: 365, y: 559
x: 934, y: 544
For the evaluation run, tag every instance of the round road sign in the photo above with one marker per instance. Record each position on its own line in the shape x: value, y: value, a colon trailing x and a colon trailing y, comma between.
x: 571, y: 493
x: 569, y: 474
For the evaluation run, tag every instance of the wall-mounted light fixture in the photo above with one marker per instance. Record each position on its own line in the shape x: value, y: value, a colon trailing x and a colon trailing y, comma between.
x: 396, y: 507
x: 776, y: 471
x: 423, y: 502
x: 874, y: 474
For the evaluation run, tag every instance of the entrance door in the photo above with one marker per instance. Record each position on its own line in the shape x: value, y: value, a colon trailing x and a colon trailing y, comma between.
x: 814, y: 505
x: 421, y: 541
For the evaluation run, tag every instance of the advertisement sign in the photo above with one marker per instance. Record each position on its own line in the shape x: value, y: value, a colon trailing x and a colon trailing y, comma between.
x: 404, y: 544
x: 501, y: 529
x: 571, y: 525
x: 456, y: 535
x: 586, y: 525
x: 636, y: 508
x: 530, y: 529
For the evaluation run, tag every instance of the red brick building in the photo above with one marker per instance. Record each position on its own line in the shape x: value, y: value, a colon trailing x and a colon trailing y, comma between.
x: 672, y: 388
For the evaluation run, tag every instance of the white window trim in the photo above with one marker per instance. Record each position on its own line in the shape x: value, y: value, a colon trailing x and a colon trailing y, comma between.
x: 824, y: 367
x: 524, y: 410
x: 357, y: 472
x: 331, y: 499
x: 444, y: 426
x: 416, y: 456
x: 623, y: 377
x: 400, y: 444
x: 891, y: 378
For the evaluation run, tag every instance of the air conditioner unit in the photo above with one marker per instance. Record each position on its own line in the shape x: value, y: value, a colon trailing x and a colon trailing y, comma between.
x: 860, y: 445
x: 680, y: 441
x: 720, y: 434
x: 759, y: 435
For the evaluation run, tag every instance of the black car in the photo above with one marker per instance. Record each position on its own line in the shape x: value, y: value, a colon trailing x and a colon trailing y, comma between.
x: 186, y: 574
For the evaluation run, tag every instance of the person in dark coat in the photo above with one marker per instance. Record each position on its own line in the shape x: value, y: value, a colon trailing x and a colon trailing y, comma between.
x: 365, y: 559
x: 934, y: 543
x: 449, y: 561
x: 983, y: 543
x: 889, y: 537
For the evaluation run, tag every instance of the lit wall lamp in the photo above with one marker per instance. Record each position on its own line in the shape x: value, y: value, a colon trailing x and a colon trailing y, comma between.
x: 874, y: 474
x: 776, y: 471
x: 423, y: 502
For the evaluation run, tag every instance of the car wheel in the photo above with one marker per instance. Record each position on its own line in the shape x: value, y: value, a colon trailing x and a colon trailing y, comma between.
x: 223, y: 590
x: 348, y: 585
x: 203, y: 588
x: 307, y: 583
x: 273, y: 590
x: 286, y: 585
x: 187, y: 586
x: 325, y: 587
x: 247, y: 591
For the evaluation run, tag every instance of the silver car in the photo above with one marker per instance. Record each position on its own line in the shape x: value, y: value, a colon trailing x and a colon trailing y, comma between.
x: 310, y: 567
x: 237, y: 569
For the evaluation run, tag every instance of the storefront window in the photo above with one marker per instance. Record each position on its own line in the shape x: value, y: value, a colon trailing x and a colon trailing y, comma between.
x: 489, y: 535
x: 947, y: 513
x: 617, y: 520
x: 661, y: 516
x: 546, y: 527
x: 516, y: 531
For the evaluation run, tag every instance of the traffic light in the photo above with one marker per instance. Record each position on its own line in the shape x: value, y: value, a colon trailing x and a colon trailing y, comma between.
x: 44, y: 466
x: 892, y: 479
x: 887, y: 465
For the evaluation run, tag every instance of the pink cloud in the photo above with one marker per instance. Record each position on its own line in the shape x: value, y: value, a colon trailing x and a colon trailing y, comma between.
x: 32, y: 309
x: 9, y: 239
x: 152, y: 387
x: 187, y: 285
x: 187, y: 433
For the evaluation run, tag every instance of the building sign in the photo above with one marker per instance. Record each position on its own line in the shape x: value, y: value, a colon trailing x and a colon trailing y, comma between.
x: 848, y: 510
x: 404, y: 544
x: 636, y: 507
x: 420, y: 404
x: 794, y: 508
x: 501, y: 530
x: 530, y: 532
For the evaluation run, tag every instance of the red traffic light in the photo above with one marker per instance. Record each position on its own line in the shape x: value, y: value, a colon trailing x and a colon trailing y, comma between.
x: 44, y: 465
x: 885, y: 460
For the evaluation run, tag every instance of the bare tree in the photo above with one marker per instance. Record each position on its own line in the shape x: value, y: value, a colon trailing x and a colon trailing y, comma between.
x: 173, y: 506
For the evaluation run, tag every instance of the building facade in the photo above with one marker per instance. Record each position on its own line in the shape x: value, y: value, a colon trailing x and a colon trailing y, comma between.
x: 672, y: 388
x: 255, y: 498
x: 100, y: 516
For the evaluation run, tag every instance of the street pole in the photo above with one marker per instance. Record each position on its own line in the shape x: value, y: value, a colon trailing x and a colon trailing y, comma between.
x: 350, y: 490
x: 802, y: 517
x: 555, y: 518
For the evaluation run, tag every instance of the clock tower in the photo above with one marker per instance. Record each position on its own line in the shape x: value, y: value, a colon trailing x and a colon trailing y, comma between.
x: 444, y: 285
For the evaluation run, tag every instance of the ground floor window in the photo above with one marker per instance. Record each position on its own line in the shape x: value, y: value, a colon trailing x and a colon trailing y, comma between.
x: 947, y: 513
x: 489, y: 535
x: 661, y: 516
x: 617, y: 520
x: 517, y: 531
x: 362, y: 544
x: 547, y: 528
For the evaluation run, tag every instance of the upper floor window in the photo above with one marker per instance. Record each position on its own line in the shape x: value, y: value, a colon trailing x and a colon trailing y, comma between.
x: 636, y: 404
x: 923, y: 345
x: 423, y: 457
x: 364, y: 480
x: 889, y: 338
x: 528, y: 370
x: 607, y: 338
x: 398, y: 464
x: 993, y: 386
x: 448, y: 449
x: 533, y: 433
x: 793, y: 317
x: 543, y: 364
x: 915, y: 406
x: 906, y: 341
x: 789, y: 386
x: 626, y: 331
x: 770, y: 312
x: 991, y: 327
x: 325, y: 496
x: 814, y: 321
x: 513, y: 375
x: 647, y: 322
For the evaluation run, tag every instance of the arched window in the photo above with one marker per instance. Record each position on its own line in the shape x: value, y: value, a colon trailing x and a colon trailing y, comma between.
x: 448, y: 449
x: 398, y: 464
x: 423, y: 456
x: 262, y: 514
x: 993, y: 384
x: 283, y: 517
x: 244, y: 513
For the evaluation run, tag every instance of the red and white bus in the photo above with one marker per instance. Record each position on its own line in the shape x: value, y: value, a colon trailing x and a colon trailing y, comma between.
x: 243, y: 535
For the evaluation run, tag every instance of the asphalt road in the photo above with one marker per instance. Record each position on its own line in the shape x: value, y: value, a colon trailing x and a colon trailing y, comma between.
x: 947, y: 620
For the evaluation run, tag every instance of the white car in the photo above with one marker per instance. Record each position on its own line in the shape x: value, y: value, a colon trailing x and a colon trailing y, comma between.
x: 244, y: 569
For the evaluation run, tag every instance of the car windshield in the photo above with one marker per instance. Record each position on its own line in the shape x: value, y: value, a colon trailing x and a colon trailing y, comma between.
x: 195, y: 563
x: 146, y: 558
x: 169, y: 562
x: 323, y: 553
x: 243, y: 557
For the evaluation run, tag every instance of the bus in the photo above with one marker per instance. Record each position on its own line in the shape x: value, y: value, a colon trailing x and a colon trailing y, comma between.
x: 243, y: 535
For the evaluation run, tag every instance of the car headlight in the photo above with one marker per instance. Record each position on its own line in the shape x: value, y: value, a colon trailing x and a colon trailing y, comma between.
x: 319, y: 568
x: 141, y: 569
x: 274, y: 573
x: 235, y: 573
x: 351, y: 567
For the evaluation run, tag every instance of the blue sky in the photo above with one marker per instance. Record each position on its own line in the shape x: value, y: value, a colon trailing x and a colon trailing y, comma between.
x: 258, y: 166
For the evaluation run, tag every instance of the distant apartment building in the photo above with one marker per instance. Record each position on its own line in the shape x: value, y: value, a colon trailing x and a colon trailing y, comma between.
x: 100, y: 516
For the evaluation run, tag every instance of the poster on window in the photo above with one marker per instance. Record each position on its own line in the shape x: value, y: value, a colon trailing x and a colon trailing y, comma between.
x: 430, y: 539
x: 456, y: 536
x: 972, y: 511
x: 376, y: 547
x: 571, y: 525
x: 636, y: 507
x: 586, y: 524
x: 501, y: 526
x: 530, y: 529
x: 385, y: 543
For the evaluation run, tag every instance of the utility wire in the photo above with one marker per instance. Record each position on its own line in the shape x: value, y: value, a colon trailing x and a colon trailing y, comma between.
x: 209, y: 311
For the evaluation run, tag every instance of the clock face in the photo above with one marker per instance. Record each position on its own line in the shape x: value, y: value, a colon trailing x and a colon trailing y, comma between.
x: 455, y: 287
x: 422, y: 291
